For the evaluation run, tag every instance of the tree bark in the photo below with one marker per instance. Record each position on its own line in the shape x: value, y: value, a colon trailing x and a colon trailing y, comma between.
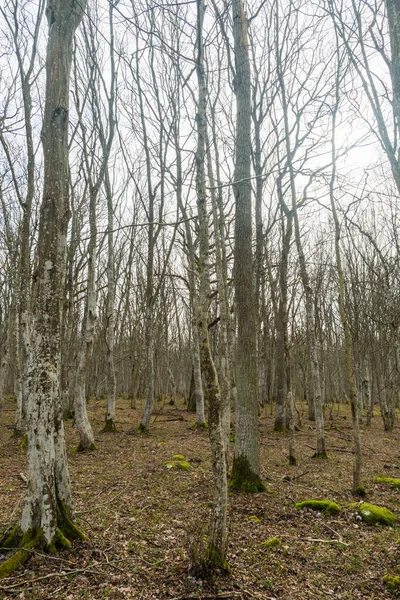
x: 47, y: 518
x: 245, y: 471
x: 218, y: 542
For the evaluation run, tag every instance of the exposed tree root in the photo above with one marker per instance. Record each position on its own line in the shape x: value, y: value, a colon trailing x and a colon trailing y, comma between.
x: 142, y: 429
x: 24, y: 442
x: 66, y: 531
x: 109, y: 427
x: 200, y: 425
x: 82, y: 448
x: 321, y: 455
x: 23, y: 554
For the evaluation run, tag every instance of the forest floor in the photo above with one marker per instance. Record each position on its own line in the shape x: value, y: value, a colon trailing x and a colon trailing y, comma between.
x: 143, y: 519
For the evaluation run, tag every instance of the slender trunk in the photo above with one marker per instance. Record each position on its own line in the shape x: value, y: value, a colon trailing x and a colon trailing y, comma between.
x: 110, y: 334
x: 218, y: 543
x: 282, y: 317
x: 220, y: 256
x: 199, y: 392
x: 86, y: 437
x: 342, y: 309
x: 246, y: 467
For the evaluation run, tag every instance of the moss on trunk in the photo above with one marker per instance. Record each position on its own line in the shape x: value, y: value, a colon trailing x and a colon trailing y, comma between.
x: 321, y: 455
x: 142, y: 429
x: 109, y: 427
x: 82, y: 448
x: 243, y: 478
x: 216, y: 560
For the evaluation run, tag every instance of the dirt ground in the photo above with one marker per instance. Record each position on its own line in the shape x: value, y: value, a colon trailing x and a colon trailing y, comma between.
x: 142, y: 518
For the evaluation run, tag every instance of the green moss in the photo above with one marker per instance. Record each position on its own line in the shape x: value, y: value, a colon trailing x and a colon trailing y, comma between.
x: 24, y: 442
x: 200, y: 426
x: 67, y: 526
x: 11, y: 538
x: 320, y: 455
x: 216, y: 560
x: 253, y: 519
x: 67, y: 530
x: 326, y: 506
x: 392, y: 481
x: 178, y: 457
x: 243, y: 478
x: 60, y: 541
x: 177, y: 464
x: 272, y: 542
x: 28, y: 542
x: 360, y: 491
x: 142, y: 429
x: 392, y: 582
x: 82, y: 448
x: 109, y: 427
x: 372, y: 514
x: 182, y: 464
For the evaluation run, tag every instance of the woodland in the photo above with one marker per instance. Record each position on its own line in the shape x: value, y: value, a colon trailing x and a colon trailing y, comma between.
x: 199, y: 299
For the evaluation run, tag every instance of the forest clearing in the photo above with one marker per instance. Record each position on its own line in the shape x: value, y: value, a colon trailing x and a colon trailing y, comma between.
x: 142, y: 518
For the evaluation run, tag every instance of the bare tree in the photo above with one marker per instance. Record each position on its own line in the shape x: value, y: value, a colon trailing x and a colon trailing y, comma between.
x: 48, y: 518
x: 245, y: 471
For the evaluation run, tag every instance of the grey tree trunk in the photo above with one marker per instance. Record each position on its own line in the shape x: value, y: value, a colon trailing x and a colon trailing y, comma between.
x: 47, y: 517
x: 246, y: 468
x: 198, y: 384
x: 111, y: 283
x: 342, y: 308
x: 218, y: 542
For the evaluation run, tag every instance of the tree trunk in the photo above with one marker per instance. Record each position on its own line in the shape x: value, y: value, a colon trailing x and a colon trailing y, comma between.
x: 47, y: 518
x: 245, y: 471
x: 342, y: 309
x: 218, y: 541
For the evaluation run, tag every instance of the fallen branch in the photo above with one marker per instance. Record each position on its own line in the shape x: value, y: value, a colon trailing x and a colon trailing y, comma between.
x: 225, y: 595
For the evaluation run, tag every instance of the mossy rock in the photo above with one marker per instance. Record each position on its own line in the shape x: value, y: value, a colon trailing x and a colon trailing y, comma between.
x: 177, y: 464
x: 183, y: 464
x: 373, y: 515
x: 178, y: 457
x: 271, y: 543
x: 327, y: 506
x: 253, y: 519
x: 394, y: 482
x: 392, y: 582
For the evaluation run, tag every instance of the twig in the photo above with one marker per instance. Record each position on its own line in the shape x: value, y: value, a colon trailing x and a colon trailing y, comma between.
x: 290, y: 479
x: 226, y: 595
x: 89, y: 510
x: 55, y: 574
